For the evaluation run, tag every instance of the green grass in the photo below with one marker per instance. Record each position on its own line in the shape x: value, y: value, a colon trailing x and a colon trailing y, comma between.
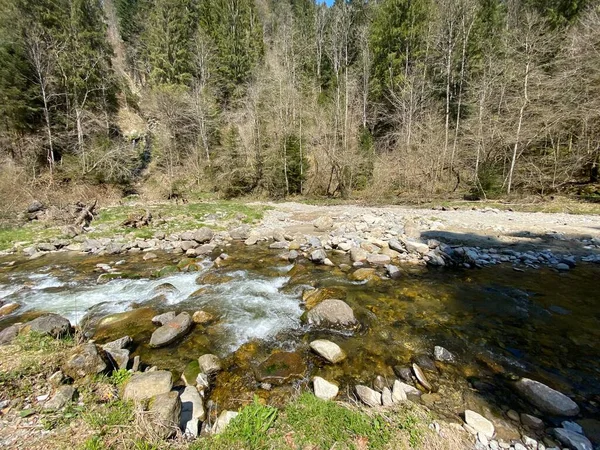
x: 107, y: 223
x: 29, y: 233
x: 176, y: 218
x: 250, y: 427
x: 306, y: 422
x: 322, y: 423
x: 111, y: 414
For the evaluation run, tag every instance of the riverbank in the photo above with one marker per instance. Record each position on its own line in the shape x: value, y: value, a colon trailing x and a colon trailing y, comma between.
x: 468, y: 237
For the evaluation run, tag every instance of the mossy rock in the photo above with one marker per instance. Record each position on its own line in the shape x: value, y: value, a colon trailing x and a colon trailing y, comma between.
x: 190, y: 373
x: 166, y: 270
x: 213, y: 278
x: 313, y: 297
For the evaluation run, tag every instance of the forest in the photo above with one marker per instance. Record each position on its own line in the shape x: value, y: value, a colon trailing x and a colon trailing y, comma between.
x: 276, y: 98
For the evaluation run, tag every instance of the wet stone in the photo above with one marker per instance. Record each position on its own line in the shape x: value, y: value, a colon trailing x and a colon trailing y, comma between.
x: 171, y: 331
x: 328, y: 350
x: 572, y: 439
x: 546, y: 399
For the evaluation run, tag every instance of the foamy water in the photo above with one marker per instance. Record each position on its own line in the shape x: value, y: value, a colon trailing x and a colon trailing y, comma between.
x: 250, y: 306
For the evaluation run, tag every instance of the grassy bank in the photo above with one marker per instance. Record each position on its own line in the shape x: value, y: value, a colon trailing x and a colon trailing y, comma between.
x: 167, y: 217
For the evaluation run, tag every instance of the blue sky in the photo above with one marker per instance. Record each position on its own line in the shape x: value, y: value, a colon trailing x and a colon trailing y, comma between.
x: 329, y: 2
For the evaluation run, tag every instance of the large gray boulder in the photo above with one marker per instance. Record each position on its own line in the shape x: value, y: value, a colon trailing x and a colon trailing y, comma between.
x: 171, y: 331
x: 49, y: 324
x: 8, y: 334
x: 85, y: 359
x: 332, y: 313
x: 203, y: 235
x: 573, y: 439
x: 164, y: 410
x: 146, y: 385
x: 546, y: 399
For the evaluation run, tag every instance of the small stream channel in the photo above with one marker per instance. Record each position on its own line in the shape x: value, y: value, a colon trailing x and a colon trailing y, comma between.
x: 499, y: 323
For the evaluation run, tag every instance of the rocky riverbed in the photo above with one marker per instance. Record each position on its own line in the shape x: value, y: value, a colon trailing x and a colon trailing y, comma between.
x: 376, y: 305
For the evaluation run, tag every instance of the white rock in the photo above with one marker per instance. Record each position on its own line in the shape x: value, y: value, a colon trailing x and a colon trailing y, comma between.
x: 398, y: 392
x: 192, y: 411
x: 386, y: 397
x: 328, y: 350
x: 324, y: 389
x: 479, y: 423
x: 223, y: 421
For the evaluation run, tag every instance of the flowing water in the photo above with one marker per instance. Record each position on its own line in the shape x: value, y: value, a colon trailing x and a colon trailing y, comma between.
x: 500, y: 324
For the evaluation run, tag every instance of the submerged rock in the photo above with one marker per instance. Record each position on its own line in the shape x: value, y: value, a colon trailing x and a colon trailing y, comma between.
x: 85, y: 360
x: 332, y: 313
x: 324, y: 389
x: 190, y: 373
x: 146, y: 385
x: 441, y: 354
x: 171, y: 331
x: 328, y: 350
x: 312, y: 297
x: 281, y: 367
x: 572, y: 439
x: 368, y: 395
x: 202, y: 317
x: 546, y: 399
x: 8, y: 308
x: 479, y: 423
x: 364, y: 274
